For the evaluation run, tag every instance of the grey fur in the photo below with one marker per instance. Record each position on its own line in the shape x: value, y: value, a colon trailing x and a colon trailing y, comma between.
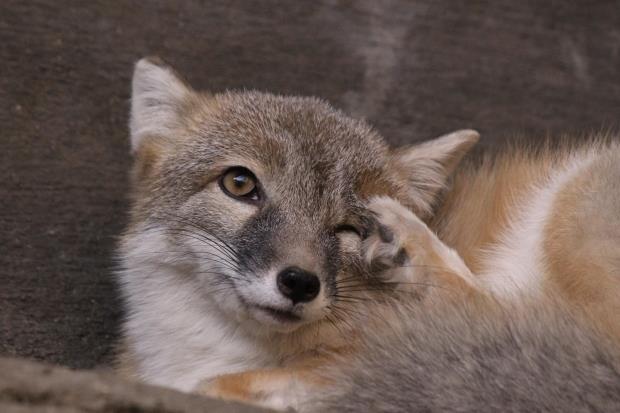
x: 451, y: 358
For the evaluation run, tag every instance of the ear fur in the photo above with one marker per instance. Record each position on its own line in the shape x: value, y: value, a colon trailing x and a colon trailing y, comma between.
x: 426, y: 167
x: 157, y: 96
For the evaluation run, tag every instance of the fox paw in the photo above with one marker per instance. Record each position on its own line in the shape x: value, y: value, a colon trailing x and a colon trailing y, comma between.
x: 397, y: 245
x: 403, y: 250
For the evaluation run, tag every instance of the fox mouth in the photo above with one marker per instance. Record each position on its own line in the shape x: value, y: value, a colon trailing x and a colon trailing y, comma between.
x: 283, y: 316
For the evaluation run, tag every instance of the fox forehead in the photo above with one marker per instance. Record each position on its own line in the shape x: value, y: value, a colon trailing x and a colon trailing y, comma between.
x: 301, y: 146
x: 277, y: 130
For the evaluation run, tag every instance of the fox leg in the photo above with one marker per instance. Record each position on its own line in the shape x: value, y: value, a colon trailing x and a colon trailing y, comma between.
x: 404, y: 251
x: 276, y: 388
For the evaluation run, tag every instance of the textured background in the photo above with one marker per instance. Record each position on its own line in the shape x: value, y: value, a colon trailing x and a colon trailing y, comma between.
x: 413, y: 69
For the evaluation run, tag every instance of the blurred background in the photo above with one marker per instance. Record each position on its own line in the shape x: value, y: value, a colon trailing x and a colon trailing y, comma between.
x: 414, y: 69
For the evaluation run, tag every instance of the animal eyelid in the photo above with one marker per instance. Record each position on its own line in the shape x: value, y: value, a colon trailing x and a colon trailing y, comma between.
x: 348, y: 228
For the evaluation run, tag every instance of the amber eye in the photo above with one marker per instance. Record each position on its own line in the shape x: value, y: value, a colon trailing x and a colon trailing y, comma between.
x: 239, y: 182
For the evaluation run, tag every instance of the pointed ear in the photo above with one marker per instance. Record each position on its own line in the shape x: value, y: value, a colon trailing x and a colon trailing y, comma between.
x: 157, y: 97
x: 426, y: 167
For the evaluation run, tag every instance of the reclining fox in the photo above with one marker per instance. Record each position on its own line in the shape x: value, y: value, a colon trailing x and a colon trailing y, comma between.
x: 270, y: 234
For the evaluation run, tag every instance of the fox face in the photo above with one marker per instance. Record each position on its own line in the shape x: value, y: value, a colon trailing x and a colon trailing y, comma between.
x: 258, y: 202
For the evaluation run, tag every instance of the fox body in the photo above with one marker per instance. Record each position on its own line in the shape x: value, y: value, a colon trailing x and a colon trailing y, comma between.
x: 528, y: 356
x: 269, y: 233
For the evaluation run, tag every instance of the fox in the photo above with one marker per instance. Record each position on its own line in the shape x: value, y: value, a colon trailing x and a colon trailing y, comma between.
x: 268, y: 235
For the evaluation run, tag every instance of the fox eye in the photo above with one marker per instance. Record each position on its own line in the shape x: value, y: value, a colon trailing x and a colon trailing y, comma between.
x: 240, y: 183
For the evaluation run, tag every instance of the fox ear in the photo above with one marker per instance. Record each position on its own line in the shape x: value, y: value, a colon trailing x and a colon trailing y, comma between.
x: 426, y: 167
x: 157, y: 97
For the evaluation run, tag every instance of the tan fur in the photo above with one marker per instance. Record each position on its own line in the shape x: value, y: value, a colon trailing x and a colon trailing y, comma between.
x: 481, y: 200
x: 582, y: 242
x: 581, y: 237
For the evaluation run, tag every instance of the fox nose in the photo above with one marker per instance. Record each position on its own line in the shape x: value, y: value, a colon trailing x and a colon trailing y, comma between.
x: 298, y: 285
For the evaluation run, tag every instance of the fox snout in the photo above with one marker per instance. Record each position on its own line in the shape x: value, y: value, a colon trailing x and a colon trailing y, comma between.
x: 298, y: 285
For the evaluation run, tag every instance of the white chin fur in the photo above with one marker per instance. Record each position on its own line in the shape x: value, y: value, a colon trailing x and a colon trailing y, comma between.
x: 181, y: 329
x: 177, y: 332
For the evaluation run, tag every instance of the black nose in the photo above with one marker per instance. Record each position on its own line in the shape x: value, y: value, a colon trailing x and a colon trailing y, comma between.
x: 298, y: 285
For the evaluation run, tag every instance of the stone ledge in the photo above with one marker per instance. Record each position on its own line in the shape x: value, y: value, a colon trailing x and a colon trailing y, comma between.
x: 29, y: 387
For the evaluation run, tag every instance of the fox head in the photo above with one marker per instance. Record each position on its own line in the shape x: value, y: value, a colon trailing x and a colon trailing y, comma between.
x: 257, y: 201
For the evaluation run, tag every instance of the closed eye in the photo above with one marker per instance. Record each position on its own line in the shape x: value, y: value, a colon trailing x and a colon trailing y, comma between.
x: 348, y: 228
